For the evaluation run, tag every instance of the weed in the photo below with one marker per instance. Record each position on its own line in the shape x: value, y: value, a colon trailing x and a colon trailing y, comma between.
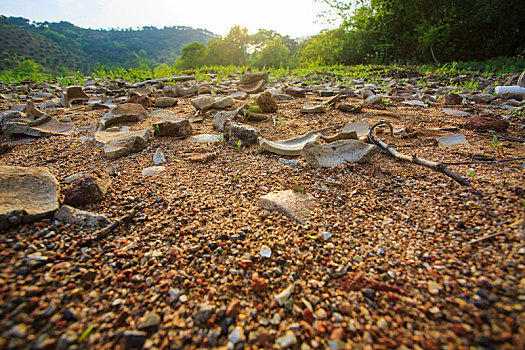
x: 496, y: 146
x: 239, y: 144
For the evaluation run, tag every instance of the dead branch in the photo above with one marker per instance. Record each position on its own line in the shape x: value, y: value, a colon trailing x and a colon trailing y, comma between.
x: 102, y: 233
x: 385, y: 148
x: 154, y: 81
x: 484, y: 238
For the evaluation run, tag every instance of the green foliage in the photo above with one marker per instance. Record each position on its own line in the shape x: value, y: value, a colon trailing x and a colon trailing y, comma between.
x: 496, y: 146
x: 273, y: 54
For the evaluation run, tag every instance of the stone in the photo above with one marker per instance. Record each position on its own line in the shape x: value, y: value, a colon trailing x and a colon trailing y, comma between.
x: 202, y: 103
x: 223, y: 103
x: 122, y: 147
x: 73, y: 94
x: 289, y: 147
x: 247, y: 134
x: 33, y: 111
x: 237, y: 335
x: 293, y: 204
x: 267, y: 103
x: 173, y: 126
x: 150, y: 321
x: 153, y: 170
x: 221, y: 118
x: 103, y: 137
x: 134, y: 339
x: 309, y: 109
x: 295, y: 91
x: 81, y: 218
x: 204, y: 312
x: 128, y: 112
x: 336, y: 153
x: 88, y: 189
x: 251, y: 78
x: 283, y: 297
x: 415, y: 103
x: 487, y: 122
x: 455, y: 112
x: 482, y: 98
x: 287, y: 341
x: 180, y: 90
x: 26, y: 195
x: 165, y: 102
x: 265, y: 251
x: 239, y: 95
x: 451, y: 140
x: 374, y: 100
x: 450, y: 99
x: 141, y: 100
x: 158, y: 157
x: 43, y: 126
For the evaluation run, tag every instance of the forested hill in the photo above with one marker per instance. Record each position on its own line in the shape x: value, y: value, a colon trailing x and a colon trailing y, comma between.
x: 59, y: 46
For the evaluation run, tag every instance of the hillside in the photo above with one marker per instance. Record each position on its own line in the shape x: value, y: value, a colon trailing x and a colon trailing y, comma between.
x: 53, y: 45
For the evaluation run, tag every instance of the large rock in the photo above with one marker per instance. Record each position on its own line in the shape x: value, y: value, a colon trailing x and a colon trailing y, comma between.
x: 128, y: 112
x: 88, y: 189
x: 487, y: 122
x: 73, y: 94
x: 267, y: 103
x: 173, y: 126
x: 293, y: 204
x: 338, y: 152
x: 246, y: 134
x: 26, y: 195
x: 70, y: 215
x: 450, y: 99
x: 223, y: 103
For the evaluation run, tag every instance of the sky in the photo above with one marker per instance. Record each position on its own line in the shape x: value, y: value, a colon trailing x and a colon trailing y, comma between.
x: 296, y: 18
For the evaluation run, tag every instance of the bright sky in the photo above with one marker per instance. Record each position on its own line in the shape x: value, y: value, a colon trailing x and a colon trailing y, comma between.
x: 297, y: 18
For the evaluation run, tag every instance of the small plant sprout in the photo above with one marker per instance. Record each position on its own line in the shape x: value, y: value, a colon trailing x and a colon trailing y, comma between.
x: 471, y: 174
x: 222, y: 137
x: 157, y: 127
x: 496, y: 146
x: 239, y: 144
x: 280, y: 123
x: 234, y: 177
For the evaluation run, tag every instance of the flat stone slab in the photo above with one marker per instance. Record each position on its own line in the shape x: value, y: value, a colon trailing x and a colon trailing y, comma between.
x: 205, y: 138
x: 173, y: 126
x: 122, y: 147
x: 128, y: 112
x: 293, y: 204
x: 455, y: 112
x: 70, y: 215
x: 203, y: 103
x: 103, y: 137
x: 26, y: 195
x: 337, y: 153
x: 288, y: 147
x: 46, y: 128
x: 153, y: 170
x: 309, y: 109
x: 451, y: 140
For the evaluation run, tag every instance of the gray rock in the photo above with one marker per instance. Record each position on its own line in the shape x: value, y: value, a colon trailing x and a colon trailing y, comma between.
x: 455, y: 112
x: 293, y: 204
x: 450, y: 99
x: 16, y: 124
x: 203, y: 314
x: 221, y: 118
x: 338, y: 152
x: 27, y: 195
x: 246, y: 134
x: 158, y: 157
x: 104, y: 137
x: 283, y: 297
x: 451, y: 140
x: 202, y: 103
x: 374, y: 100
x: 237, y: 335
x: 165, y: 102
x: 122, y: 147
x: 173, y: 126
x: 223, y: 103
x: 239, y: 95
x: 482, y: 98
x: 70, y: 215
x: 205, y: 138
x: 416, y: 103
x: 151, y: 320
x: 287, y: 341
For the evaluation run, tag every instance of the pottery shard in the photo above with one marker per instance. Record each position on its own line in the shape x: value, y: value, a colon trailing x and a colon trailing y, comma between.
x: 295, y: 91
x: 26, y: 195
x: 173, y: 126
x: 487, y: 122
x: 450, y: 99
x: 293, y: 204
x: 246, y: 134
x: 89, y: 188
x: 252, y: 88
x: 336, y: 153
x: 267, y: 103
x: 251, y: 78
x: 72, y: 94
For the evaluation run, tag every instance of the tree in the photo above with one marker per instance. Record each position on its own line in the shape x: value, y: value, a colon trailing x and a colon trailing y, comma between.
x: 193, y: 55
x: 273, y: 54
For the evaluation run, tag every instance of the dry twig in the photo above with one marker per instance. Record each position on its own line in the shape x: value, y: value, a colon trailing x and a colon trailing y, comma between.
x: 102, y: 233
x: 384, y: 147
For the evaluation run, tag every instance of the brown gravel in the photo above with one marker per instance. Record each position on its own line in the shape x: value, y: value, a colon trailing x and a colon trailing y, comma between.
x: 384, y: 262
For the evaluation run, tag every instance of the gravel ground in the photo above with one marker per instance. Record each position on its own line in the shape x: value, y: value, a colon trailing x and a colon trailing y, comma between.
x: 387, y: 260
